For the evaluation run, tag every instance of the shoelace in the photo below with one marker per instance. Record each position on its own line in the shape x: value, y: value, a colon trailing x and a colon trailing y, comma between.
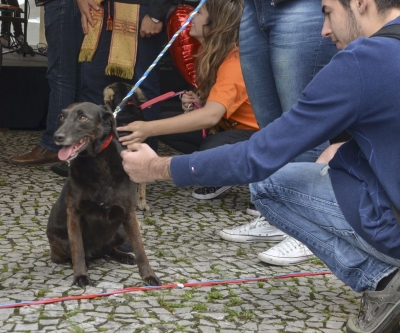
x: 289, y: 244
x: 258, y: 222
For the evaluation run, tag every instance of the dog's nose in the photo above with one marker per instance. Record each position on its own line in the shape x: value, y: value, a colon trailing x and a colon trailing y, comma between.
x: 59, y: 137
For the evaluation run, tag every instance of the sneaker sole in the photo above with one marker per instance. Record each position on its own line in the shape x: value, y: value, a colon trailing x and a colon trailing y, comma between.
x: 250, y: 239
x: 211, y: 195
x: 253, y: 212
x: 389, y: 324
x: 282, y: 262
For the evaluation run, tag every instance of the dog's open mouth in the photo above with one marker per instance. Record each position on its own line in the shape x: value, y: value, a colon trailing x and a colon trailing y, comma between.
x: 68, y: 153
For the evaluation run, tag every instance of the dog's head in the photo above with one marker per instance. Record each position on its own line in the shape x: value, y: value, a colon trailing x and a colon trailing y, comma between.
x: 84, y: 127
x: 113, y: 95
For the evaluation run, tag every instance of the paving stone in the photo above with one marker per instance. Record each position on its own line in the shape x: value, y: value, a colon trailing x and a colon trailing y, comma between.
x: 181, y: 239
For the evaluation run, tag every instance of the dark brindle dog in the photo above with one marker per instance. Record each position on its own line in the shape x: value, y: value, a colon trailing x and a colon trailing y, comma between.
x: 95, y: 212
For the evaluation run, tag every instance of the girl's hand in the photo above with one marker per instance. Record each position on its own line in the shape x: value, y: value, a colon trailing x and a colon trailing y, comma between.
x: 189, y: 99
x: 140, y: 132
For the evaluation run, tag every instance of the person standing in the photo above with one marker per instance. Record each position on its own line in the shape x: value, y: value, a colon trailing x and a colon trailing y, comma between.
x: 281, y: 50
x: 64, y: 35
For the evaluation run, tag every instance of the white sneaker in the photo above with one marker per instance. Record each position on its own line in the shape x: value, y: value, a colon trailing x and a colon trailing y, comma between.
x: 207, y: 193
x: 252, y: 210
x: 258, y: 230
x: 290, y: 251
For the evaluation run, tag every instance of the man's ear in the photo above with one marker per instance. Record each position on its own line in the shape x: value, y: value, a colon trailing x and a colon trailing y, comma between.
x: 362, y: 6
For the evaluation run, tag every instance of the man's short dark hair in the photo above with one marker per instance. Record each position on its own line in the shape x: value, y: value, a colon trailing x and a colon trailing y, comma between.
x: 382, y: 5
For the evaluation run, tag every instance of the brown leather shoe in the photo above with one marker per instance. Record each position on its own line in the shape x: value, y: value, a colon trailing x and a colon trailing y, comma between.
x: 37, y: 156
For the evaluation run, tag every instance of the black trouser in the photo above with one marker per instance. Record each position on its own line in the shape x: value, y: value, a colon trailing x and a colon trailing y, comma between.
x: 5, y: 26
x: 190, y: 142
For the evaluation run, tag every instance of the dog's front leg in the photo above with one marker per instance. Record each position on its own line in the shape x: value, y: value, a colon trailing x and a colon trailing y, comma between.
x: 133, y: 232
x: 81, y: 277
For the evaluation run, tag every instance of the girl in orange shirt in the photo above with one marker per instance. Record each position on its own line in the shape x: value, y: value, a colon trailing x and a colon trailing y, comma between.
x: 221, y: 93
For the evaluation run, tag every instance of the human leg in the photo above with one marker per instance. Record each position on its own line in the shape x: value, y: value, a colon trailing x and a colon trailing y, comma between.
x: 299, y: 200
x: 185, y: 143
x: 281, y: 49
x: 16, y: 25
x: 64, y: 36
x: 216, y: 140
x: 148, y: 50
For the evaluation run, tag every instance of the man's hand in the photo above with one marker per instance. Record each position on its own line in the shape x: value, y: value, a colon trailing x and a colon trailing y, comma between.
x: 86, y: 16
x: 143, y: 165
x: 149, y: 28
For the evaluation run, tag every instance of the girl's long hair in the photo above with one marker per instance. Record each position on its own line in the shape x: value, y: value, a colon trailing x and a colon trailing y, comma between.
x: 223, y: 36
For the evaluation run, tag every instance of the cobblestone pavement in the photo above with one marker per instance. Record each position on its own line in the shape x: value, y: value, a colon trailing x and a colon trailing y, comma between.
x: 181, y: 239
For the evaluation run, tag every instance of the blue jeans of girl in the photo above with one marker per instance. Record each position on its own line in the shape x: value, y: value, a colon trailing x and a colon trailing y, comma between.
x: 299, y: 200
x: 281, y: 50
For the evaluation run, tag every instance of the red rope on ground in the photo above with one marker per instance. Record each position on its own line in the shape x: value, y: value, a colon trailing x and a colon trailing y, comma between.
x: 167, y: 286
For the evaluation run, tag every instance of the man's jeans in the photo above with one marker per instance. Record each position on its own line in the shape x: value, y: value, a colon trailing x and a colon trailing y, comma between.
x: 299, y: 200
x: 64, y: 38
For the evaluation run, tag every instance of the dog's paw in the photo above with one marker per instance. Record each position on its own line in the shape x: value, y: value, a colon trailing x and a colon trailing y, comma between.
x: 142, y: 205
x: 82, y: 281
x: 128, y: 259
x: 152, y: 280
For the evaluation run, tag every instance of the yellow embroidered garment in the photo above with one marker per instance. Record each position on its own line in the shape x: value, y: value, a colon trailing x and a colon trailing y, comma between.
x: 123, y: 48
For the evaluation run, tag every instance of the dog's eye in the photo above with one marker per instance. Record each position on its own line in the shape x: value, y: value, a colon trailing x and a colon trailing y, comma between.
x: 61, y: 118
x: 82, y: 118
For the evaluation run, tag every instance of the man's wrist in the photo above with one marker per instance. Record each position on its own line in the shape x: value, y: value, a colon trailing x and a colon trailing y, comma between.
x: 154, y: 19
x: 161, y: 168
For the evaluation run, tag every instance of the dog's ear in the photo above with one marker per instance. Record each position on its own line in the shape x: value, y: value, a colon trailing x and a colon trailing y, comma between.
x: 108, y: 120
x: 108, y: 97
x: 140, y: 95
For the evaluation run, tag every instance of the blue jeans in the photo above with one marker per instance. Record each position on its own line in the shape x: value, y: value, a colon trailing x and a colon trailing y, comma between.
x: 64, y: 36
x: 93, y: 75
x: 281, y: 50
x: 299, y: 200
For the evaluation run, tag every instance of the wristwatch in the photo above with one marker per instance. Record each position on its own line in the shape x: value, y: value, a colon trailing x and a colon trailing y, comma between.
x: 154, y: 20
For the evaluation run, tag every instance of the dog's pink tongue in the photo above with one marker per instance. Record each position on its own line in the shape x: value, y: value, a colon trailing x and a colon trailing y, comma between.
x: 65, y: 152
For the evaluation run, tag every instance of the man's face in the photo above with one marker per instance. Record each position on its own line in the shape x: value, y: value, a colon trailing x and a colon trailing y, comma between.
x: 340, y: 23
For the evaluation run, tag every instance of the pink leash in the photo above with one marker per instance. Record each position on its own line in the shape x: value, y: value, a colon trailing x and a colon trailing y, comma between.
x: 166, y: 96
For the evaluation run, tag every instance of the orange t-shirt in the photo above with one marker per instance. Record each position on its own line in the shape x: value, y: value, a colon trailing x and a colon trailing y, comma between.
x: 230, y: 91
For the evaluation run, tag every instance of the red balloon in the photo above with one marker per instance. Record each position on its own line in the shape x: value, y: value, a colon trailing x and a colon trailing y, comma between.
x: 184, y: 46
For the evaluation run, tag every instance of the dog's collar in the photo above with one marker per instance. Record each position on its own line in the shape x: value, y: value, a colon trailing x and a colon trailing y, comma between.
x: 107, y: 142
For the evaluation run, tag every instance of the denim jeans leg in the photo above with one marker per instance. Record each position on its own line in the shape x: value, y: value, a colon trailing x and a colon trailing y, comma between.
x: 299, y: 200
x: 281, y: 50
x: 64, y: 37
x: 148, y: 50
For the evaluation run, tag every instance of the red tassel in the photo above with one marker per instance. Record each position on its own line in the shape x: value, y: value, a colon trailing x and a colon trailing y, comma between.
x: 109, y: 25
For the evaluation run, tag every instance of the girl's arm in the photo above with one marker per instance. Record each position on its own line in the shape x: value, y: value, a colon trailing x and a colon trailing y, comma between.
x: 206, y: 117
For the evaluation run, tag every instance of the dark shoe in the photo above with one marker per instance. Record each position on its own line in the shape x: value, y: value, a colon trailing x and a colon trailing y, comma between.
x: 381, y: 313
x: 207, y: 193
x: 61, y: 169
x: 37, y: 156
